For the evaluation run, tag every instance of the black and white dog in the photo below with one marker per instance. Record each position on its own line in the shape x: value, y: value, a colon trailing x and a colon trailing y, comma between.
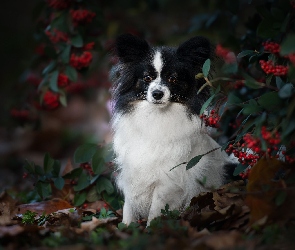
x: 156, y: 126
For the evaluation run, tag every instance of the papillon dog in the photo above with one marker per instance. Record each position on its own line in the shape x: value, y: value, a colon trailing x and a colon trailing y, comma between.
x: 156, y: 126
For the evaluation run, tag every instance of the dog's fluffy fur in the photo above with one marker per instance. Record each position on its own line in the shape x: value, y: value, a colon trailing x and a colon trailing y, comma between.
x: 156, y: 126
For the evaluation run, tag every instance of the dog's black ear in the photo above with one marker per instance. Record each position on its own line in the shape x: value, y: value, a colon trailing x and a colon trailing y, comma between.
x: 195, y: 51
x: 130, y: 48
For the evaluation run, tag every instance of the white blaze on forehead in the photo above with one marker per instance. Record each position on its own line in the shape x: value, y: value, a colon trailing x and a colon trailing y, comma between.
x: 158, y: 62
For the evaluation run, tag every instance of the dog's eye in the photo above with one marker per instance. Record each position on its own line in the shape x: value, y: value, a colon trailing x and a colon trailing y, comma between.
x: 172, y: 79
x: 147, y: 78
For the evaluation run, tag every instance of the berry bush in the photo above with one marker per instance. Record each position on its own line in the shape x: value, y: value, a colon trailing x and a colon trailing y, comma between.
x: 258, y: 90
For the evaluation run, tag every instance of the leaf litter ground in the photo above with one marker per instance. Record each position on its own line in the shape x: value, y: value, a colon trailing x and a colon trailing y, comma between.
x: 235, y: 216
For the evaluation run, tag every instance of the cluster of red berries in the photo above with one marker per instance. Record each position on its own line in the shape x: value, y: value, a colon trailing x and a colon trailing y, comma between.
x: 50, y: 100
x: 88, y: 46
x: 269, y: 68
x: 87, y: 167
x: 245, y: 174
x: 272, y: 138
x: 59, y: 4
x: 292, y: 4
x: 57, y: 36
x: 20, y: 114
x: 63, y: 80
x: 81, y: 61
x: 225, y: 53
x: 82, y: 16
x: 271, y: 47
x: 211, y: 120
x: 250, y: 150
x: 245, y: 156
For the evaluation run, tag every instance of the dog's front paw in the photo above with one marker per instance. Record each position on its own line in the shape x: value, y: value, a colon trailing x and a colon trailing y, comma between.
x: 128, y: 215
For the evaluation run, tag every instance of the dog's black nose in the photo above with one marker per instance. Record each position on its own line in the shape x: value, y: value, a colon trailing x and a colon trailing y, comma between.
x: 158, y: 94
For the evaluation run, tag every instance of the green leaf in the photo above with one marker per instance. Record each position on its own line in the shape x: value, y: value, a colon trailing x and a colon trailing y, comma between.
x: 94, y: 178
x: 279, y: 82
x: 230, y: 68
x: 48, y: 163
x: 206, y: 67
x: 85, y: 152
x: 74, y: 173
x: 288, y: 45
x: 83, y: 182
x: 281, y: 198
x: 253, y: 84
x: 246, y: 53
x: 239, y: 169
x: 63, y: 100
x: 98, y: 163
x: 71, y: 73
x: 270, y: 101
x: 30, y: 167
x: 59, y: 183
x: 77, y: 41
x: 268, y: 79
x: 194, y: 161
x: 260, y: 119
x: 80, y: 198
x: 39, y: 170
x: 265, y: 29
x: 206, y: 104
x: 217, y: 90
x: 288, y: 127
x: 43, y: 189
x: 251, y: 108
x: 53, y: 81
x: 233, y: 99
x: 56, y: 168
x: 286, y: 91
x: 104, y: 184
x: 285, y: 23
x: 65, y: 54
x: 49, y: 68
x: 93, y: 195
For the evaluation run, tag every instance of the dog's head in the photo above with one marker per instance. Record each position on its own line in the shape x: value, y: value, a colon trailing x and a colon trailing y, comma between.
x: 159, y: 75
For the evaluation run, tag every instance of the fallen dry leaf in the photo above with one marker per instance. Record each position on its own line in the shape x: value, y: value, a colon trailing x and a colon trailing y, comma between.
x: 221, y: 208
x: 259, y: 199
x: 43, y: 207
x: 7, y: 205
x: 67, y: 193
x: 88, y: 226
x: 69, y: 217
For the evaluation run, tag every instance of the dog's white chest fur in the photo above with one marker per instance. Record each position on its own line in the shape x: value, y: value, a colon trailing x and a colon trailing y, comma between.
x: 148, y: 143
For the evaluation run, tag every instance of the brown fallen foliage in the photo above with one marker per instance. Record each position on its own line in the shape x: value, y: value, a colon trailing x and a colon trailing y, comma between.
x: 234, y: 216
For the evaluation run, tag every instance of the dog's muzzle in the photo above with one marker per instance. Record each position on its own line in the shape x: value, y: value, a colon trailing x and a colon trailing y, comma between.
x: 158, y: 93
